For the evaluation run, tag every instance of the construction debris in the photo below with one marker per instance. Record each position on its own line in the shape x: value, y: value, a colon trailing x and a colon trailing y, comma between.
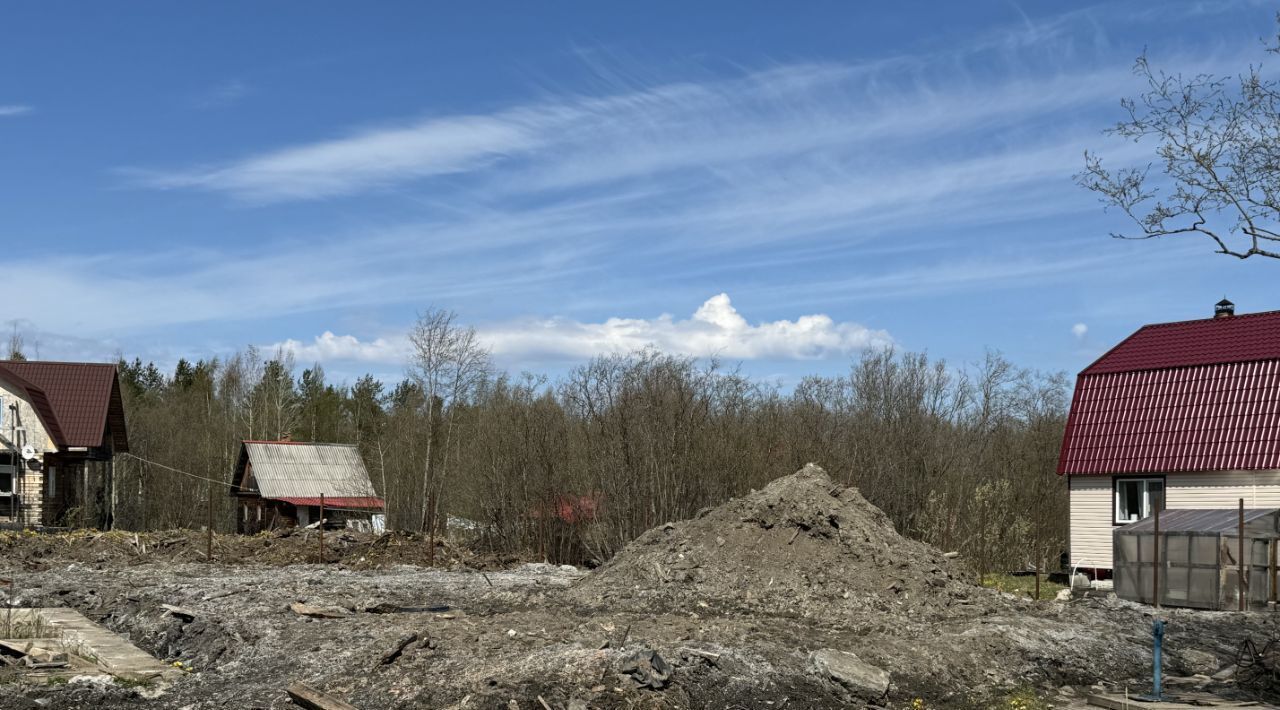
x: 319, y: 612
x: 801, y: 594
x: 401, y: 644
x: 647, y: 669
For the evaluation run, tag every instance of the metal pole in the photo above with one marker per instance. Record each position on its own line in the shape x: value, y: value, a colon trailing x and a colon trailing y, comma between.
x: 321, y: 557
x: 1243, y: 581
x: 1157, y: 630
x: 1155, y: 563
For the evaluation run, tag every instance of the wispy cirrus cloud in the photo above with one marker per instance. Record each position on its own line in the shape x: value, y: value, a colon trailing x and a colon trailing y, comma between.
x: 780, y: 119
x: 221, y: 95
x: 14, y: 109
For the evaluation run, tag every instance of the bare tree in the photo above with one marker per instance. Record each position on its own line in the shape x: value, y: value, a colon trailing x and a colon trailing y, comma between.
x: 448, y: 364
x: 1218, y: 146
x: 16, y: 344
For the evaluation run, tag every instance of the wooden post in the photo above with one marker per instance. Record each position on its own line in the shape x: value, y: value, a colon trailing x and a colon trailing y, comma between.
x: 1039, y: 564
x: 1273, y: 571
x: 1243, y: 581
x: 208, y: 541
x: 1155, y: 560
x: 321, y: 557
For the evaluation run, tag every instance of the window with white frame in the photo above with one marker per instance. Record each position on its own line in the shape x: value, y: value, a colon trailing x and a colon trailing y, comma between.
x: 1136, y: 498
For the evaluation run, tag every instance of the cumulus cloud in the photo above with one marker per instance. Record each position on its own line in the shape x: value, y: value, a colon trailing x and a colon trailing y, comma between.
x: 716, y: 328
x: 328, y: 347
x: 1079, y: 330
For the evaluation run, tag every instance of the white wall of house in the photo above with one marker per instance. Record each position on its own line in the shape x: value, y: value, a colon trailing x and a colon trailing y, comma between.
x: 19, y: 427
x: 1093, y: 504
x: 35, y: 433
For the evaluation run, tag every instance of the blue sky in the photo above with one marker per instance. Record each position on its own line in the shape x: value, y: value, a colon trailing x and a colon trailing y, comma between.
x: 784, y: 184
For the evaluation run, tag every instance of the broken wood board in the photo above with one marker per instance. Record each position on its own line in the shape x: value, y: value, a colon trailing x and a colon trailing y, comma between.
x: 305, y: 696
x: 1184, y: 701
x: 319, y: 612
x: 180, y: 612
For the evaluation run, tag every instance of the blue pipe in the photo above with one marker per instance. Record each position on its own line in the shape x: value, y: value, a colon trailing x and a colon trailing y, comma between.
x: 1157, y: 631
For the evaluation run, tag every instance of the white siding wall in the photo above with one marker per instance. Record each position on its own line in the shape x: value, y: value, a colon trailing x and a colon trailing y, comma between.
x: 1224, y: 489
x: 1091, y: 517
x: 1092, y: 506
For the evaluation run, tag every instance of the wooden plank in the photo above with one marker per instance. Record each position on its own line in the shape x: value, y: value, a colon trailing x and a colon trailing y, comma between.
x: 305, y: 696
x: 1119, y: 702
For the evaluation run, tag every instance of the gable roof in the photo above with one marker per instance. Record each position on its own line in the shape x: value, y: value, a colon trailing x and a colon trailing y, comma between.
x: 289, y: 470
x: 74, y: 400
x: 39, y: 402
x: 1199, y: 395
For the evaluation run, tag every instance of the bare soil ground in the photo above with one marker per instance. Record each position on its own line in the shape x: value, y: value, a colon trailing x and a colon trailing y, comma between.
x: 745, y: 606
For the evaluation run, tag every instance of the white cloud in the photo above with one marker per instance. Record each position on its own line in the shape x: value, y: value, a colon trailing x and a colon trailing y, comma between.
x: 1079, y: 330
x: 328, y: 347
x: 14, y: 109
x: 716, y: 328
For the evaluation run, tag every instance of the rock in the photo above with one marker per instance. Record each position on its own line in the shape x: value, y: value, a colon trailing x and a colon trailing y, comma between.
x: 1197, y: 662
x: 861, y: 679
x: 1063, y: 595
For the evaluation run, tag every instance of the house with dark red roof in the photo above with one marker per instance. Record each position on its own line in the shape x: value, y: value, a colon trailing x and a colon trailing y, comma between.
x: 1178, y: 415
x: 61, y: 424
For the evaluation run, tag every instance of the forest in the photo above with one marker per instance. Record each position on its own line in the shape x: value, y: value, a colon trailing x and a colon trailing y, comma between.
x: 573, y: 468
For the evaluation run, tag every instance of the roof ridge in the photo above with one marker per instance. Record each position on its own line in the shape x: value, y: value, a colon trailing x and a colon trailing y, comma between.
x: 1224, y: 319
x: 57, y: 362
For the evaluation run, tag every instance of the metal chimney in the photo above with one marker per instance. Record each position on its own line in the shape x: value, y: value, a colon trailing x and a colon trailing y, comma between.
x: 1224, y: 309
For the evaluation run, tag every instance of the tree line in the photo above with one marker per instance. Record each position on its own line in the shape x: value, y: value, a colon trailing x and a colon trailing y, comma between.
x: 573, y: 468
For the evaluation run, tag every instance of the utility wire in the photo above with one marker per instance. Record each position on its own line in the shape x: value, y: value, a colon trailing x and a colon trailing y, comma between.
x: 224, y: 483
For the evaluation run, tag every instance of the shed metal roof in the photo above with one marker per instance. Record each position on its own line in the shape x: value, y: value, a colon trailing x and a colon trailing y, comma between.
x: 1218, y: 520
x: 1191, y: 396
x: 304, y: 470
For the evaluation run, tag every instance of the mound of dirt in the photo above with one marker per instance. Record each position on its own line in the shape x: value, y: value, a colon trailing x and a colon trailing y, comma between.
x: 804, y: 545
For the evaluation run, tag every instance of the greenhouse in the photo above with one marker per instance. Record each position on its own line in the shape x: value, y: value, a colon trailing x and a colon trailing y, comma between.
x: 1198, y: 558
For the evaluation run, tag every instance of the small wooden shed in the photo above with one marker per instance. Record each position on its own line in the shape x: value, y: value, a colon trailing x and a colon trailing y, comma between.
x: 283, y: 483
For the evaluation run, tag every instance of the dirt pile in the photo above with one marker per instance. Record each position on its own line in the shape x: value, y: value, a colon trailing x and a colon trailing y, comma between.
x: 804, y: 545
x: 37, y: 551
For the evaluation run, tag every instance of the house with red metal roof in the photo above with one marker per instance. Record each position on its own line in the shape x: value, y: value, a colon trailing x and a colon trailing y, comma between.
x: 1178, y: 415
x: 61, y: 424
x: 288, y: 483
